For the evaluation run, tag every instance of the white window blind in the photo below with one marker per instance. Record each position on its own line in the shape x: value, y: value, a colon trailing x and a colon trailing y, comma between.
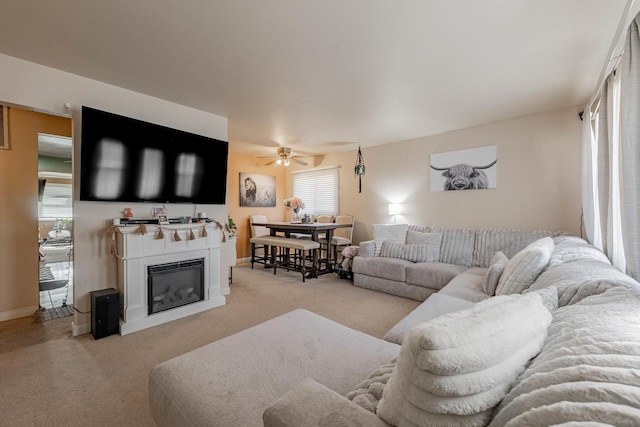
x: 56, y: 202
x: 319, y: 190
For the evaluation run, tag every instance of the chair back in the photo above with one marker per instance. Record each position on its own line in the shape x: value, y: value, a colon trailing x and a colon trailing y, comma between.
x: 324, y: 218
x: 258, y: 230
x: 344, y: 232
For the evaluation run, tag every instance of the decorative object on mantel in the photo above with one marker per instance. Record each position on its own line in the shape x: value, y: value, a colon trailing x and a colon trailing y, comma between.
x: 176, y: 236
x: 128, y: 213
x: 295, y: 204
x: 160, y: 234
x: 359, y: 169
x: 191, y: 235
x: 142, y: 230
x: 204, y: 233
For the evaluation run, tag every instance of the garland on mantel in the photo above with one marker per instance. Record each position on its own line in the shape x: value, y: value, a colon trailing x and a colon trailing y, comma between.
x: 142, y: 230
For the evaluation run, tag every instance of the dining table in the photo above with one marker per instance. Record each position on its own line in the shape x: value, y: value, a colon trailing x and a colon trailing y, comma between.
x: 315, y: 230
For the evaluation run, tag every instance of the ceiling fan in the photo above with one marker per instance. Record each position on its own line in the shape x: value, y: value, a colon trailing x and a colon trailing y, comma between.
x: 285, y: 158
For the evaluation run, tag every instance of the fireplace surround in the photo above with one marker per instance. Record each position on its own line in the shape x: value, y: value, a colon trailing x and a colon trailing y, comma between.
x: 181, y: 245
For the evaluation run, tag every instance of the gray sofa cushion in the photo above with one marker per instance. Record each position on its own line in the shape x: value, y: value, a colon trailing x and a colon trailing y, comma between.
x: 382, y: 267
x: 434, y: 306
x: 509, y: 241
x: 457, y: 245
x: 467, y: 286
x: 432, y: 275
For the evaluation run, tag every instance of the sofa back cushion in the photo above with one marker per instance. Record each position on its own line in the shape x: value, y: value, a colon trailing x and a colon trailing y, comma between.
x: 457, y: 245
x: 394, y: 233
x: 455, y: 368
x: 509, y: 241
x: 587, y: 370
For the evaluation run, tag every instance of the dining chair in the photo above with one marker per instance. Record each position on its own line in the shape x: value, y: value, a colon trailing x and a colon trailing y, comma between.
x: 342, y: 237
x: 257, y: 231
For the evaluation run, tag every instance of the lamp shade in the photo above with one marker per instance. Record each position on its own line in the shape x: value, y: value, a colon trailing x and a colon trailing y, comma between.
x: 395, y: 208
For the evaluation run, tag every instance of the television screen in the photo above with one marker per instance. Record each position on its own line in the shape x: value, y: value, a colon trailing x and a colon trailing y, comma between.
x: 129, y: 160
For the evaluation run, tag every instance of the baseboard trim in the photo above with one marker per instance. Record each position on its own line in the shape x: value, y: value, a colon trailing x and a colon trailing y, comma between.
x: 17, y: 313
x: 77, y: 330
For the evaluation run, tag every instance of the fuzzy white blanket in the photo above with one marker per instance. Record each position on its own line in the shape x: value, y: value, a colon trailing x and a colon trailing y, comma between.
x: 588, y: 370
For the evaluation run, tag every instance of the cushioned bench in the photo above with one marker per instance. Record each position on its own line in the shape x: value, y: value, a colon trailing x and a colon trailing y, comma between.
x: 301, y: 245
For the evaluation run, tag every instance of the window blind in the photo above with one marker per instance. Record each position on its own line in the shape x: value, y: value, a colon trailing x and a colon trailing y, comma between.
x: 56, y: 202
x: 319, y: 190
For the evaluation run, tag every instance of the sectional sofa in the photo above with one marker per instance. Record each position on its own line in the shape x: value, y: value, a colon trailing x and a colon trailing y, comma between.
x: 534, y: 328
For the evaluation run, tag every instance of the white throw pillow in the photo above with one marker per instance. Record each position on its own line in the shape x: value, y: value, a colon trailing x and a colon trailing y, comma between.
x: 525, y: 267
x: 395, y: 233
x: 496, y: 268
x: 455, y: 368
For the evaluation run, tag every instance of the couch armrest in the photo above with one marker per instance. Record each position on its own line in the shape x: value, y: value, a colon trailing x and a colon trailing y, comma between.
x: 367, y: 248
x: 312, y: 404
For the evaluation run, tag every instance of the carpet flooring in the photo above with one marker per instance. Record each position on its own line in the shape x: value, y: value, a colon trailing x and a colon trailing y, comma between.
x: 49, y: 378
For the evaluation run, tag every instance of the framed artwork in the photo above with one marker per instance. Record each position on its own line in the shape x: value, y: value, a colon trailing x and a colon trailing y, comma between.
x: 257, y: 190
x: 162, y: 219
x: 471, y: 169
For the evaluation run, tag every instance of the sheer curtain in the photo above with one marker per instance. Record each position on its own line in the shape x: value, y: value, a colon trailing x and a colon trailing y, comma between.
x: 611, y: 162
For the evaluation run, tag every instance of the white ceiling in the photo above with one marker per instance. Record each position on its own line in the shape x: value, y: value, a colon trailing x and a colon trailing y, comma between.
x: 327, y: 75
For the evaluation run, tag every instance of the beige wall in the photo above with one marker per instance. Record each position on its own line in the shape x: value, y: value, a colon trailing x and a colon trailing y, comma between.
x: 240, y: 214
x: 538, y: 178
x: 46, y: 89
x: 19, y: 295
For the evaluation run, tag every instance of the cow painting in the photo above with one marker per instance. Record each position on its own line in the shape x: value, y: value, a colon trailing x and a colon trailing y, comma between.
x: 465, y: 177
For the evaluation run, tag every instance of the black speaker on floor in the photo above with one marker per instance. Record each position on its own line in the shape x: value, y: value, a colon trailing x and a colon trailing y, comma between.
x: 105, y: 313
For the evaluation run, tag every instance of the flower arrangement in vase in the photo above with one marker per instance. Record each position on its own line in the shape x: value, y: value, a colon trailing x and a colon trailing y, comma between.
x: 294, y: 204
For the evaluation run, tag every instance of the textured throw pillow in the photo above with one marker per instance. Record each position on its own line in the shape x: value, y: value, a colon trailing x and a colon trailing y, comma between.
x: 432, y: 240
x: 525, y: 267
x: 409, y: 252
x: 368, y: 393
x: 395, y: 233
x: 455, y: 368
x: 498, y: 263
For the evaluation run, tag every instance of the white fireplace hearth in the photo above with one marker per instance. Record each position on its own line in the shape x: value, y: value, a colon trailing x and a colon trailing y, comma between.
x: 137, y: 252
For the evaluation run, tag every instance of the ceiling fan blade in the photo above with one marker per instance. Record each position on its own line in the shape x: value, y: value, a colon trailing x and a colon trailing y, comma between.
x: 300, y: 162
x: 270, y: 162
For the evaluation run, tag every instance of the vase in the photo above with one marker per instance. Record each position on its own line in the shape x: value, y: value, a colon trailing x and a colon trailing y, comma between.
x: 296, y: 217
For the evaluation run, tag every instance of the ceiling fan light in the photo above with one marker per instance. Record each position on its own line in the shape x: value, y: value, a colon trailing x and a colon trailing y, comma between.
x: 279, y: 162
x: 287, y: 162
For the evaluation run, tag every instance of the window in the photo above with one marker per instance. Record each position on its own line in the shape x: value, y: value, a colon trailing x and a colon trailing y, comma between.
x: 56, y: 202
x: 319, y: 189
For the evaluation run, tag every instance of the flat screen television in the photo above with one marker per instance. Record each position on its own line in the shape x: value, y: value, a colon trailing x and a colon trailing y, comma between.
x: 129, y: 160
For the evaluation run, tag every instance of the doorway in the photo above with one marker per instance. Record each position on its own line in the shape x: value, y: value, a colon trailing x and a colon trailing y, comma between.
x: 55, y: 225
x: 19, y: 191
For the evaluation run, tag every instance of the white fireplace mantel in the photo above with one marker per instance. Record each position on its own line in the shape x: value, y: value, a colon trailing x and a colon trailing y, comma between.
x: 136, y: 252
